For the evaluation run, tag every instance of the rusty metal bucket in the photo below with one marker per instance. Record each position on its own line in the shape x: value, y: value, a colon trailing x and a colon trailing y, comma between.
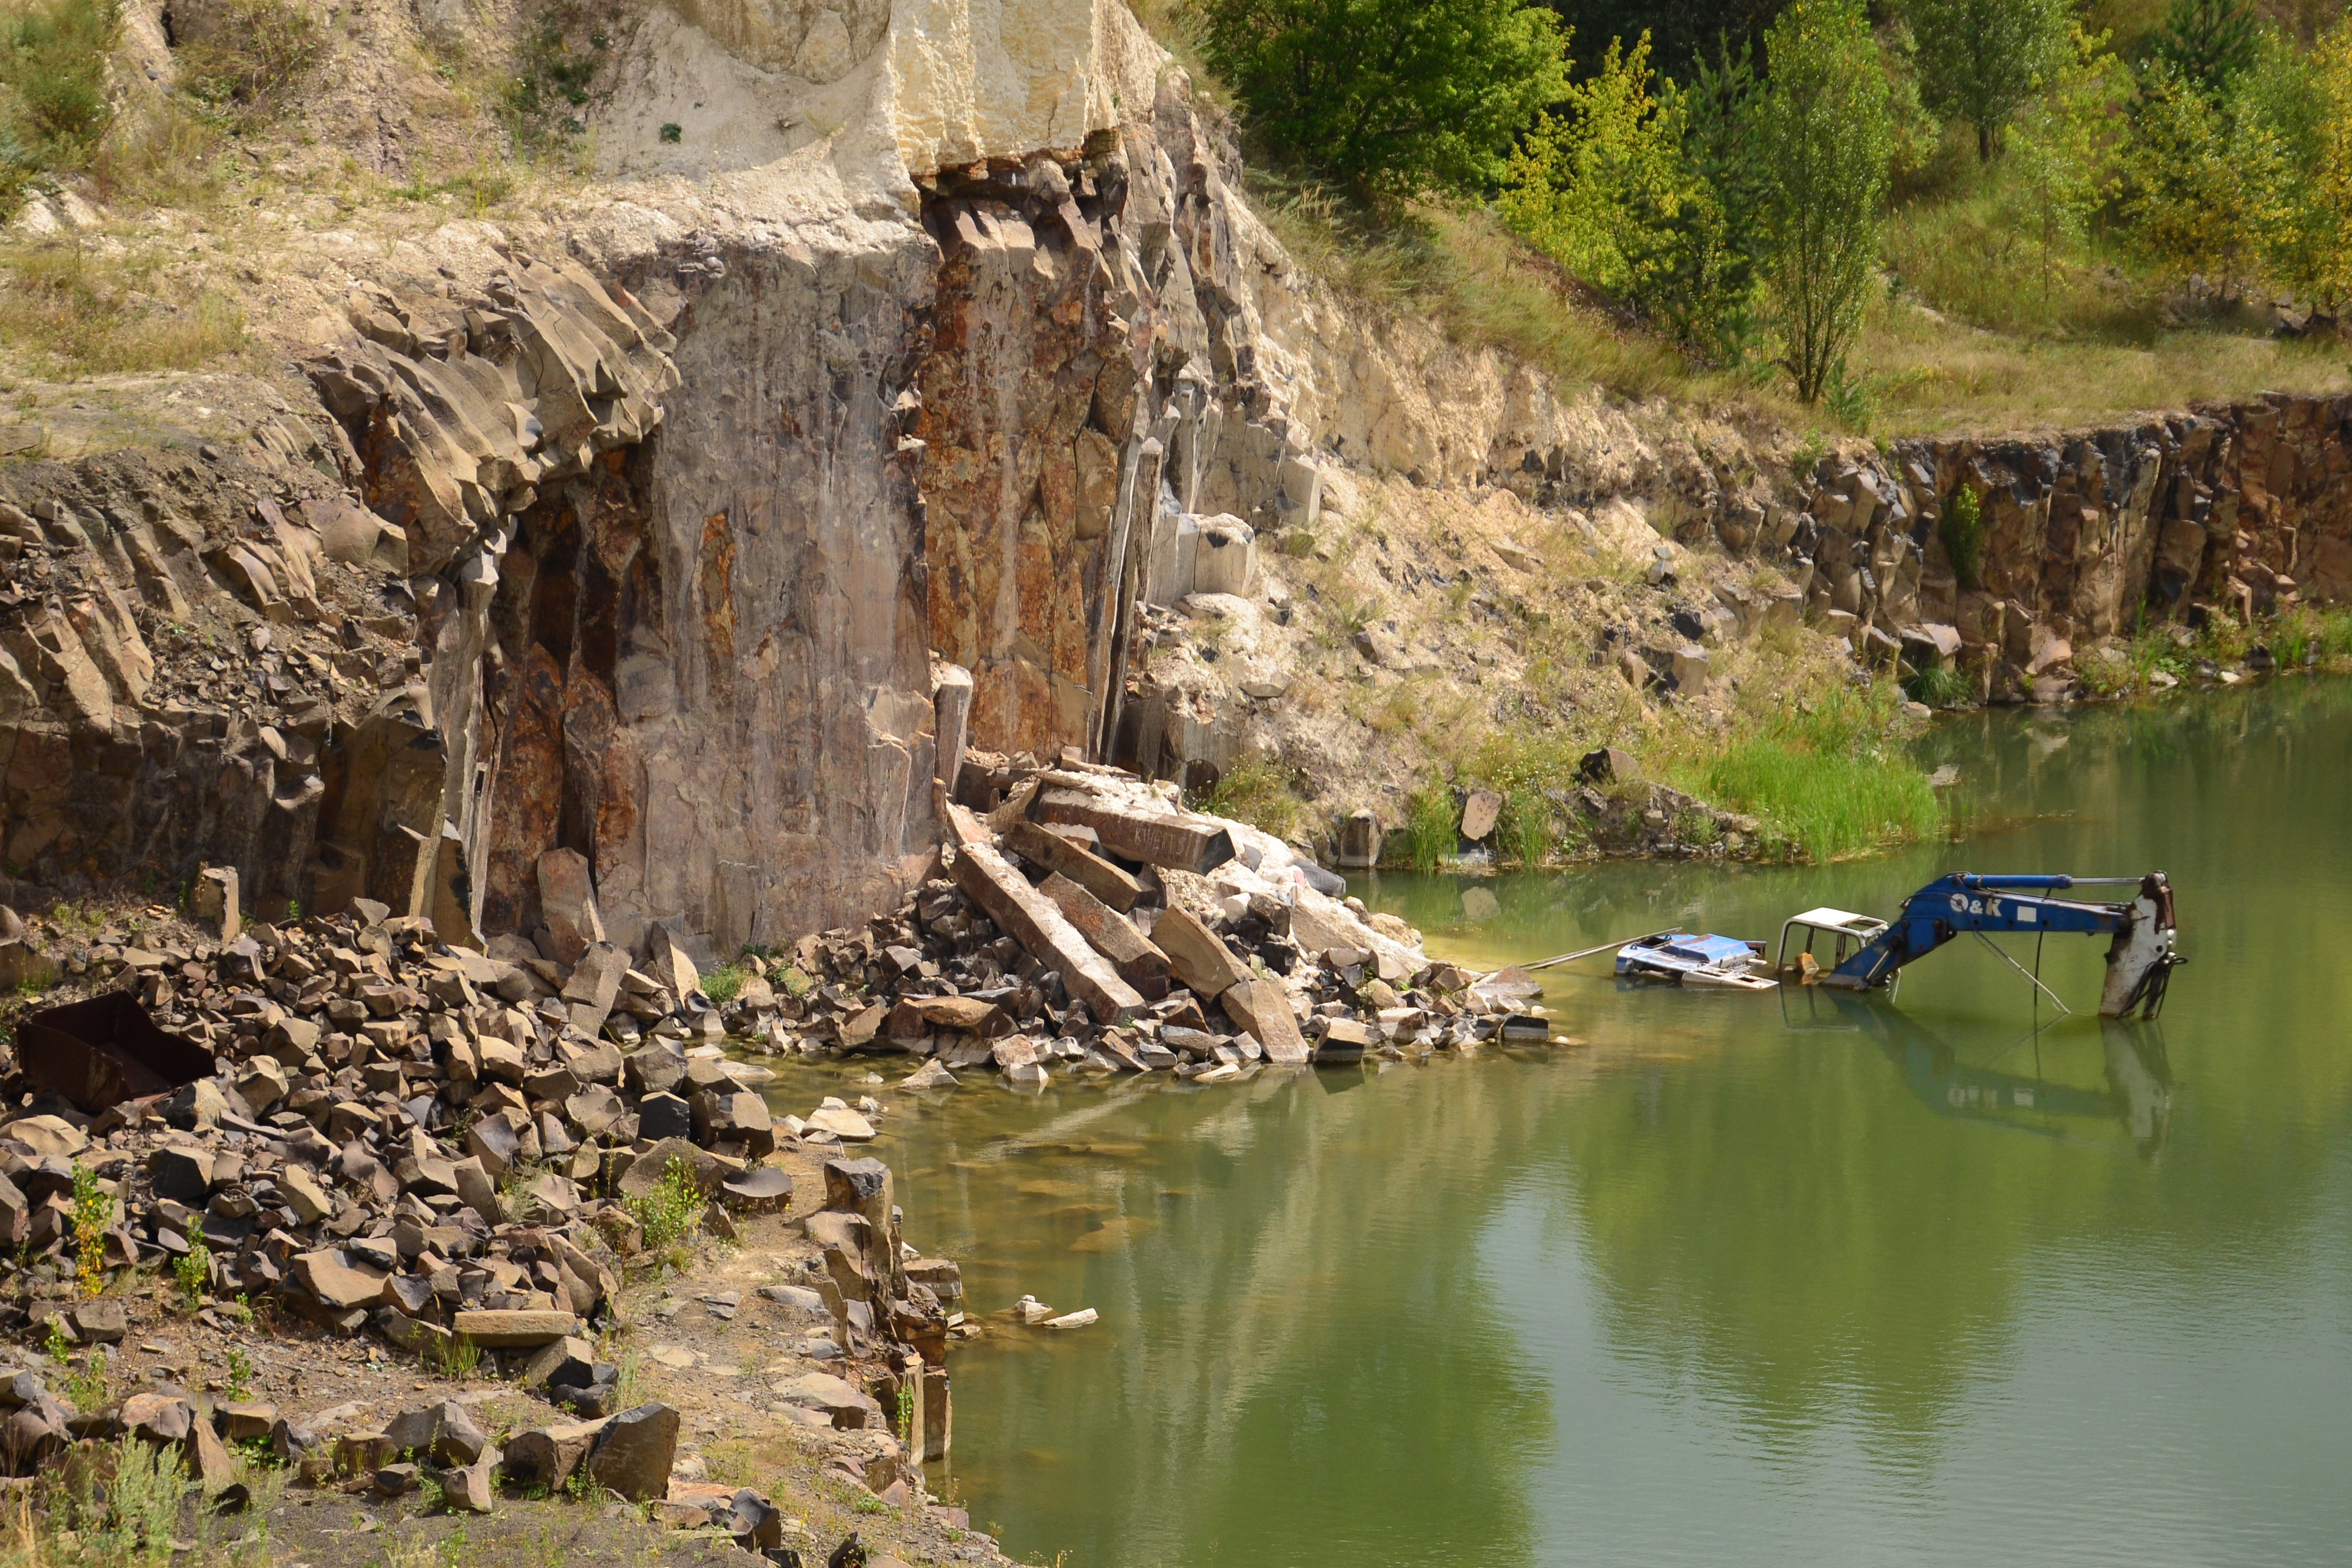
x: 101, y: 1052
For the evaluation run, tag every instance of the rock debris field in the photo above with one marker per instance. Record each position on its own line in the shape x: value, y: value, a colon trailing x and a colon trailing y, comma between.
x: 470, y: 1189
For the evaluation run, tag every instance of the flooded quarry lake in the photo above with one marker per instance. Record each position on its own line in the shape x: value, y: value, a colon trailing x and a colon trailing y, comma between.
x: 1776, y: 1278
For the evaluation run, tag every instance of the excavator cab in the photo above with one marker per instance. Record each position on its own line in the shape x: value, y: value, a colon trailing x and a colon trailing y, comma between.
x: 1840, y: 934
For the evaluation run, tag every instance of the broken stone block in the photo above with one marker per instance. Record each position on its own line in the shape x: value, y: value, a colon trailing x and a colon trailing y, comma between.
x: 1263, y: 1008
x: 1015, y: 1052
x: 569, y: 1359
x: 477, y: 1191
x: 100, y: 1322
x: 303, y: 1194
x: 636, y: 1452
x: 214, y: 901
x: 1479, y: 814
x: 1607, y: 765
x: 1225, y: 561
x: 247, y: 1422
x: 757, y: 1524
x: 1180, y: 839
x: 15, y: 1214
x: 335, y: 1280
x: 844, y: 1123
x: 567, y: 901
x: 669, y: 964
x: 362, y: 1453
x: 547, y: 1455
x: 740, y: 1117
x: 648, y: 1171
x: 467, y: 1488
x: 492, y: 1140
x: 931, y: 1075
x: 513, y: 1328
x: 1052, y: 851
x: 262, y: 1084
x: 158, y: 1418
x: 665, y: 1116
x: 1107, y: 931
x: 206, y: 1458
x: 990, y: 881
x: 443, y: 1433
x: 594, y: 985
x: 182, y: 1174
x: 1198, y: 955
x: 1344, y: 1040
x: 24, y: 966
x: 849, y: 1409
x: 657, y: 1069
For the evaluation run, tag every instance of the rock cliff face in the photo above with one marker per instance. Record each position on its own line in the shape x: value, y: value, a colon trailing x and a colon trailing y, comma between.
x: 940, y: 339
x: 2083, y: 537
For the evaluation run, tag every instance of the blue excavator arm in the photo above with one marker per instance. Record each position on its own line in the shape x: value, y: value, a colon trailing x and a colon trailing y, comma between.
x: 2139, y: 959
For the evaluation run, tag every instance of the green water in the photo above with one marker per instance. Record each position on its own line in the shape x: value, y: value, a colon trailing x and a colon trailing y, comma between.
x: 1743, y: 1279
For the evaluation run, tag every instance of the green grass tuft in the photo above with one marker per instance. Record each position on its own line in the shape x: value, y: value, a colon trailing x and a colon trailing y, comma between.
x: 1429, y: 826
x: 1828, y: 796
x: 1257, y: 793
x: 672, y: 1212
x: 1939, y: 687
x: 53, y: 100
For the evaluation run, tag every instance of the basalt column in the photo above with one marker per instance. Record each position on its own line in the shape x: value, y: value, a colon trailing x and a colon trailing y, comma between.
x: 1029, y: 400
x: 767, y: 742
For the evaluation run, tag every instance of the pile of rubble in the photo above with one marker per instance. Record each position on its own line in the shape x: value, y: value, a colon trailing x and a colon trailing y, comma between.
x: 370, y: 1129
x: 450, y: 1149
x: 1089, y: 924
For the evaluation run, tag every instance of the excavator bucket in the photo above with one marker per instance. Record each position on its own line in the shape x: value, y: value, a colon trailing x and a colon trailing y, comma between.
x: 2140, y: 960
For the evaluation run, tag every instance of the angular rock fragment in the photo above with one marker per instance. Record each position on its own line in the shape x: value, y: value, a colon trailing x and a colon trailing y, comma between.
x: 634, y: 1453
x: 505, y: 1329
x: 1263, y: 1008
x: 1052, y: 851
x: 1197, y: 955
x: 1107, y: 931
x: 1172, y: 838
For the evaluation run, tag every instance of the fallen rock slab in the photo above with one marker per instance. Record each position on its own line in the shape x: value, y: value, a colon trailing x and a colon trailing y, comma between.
x: 1032, y: 920
x: 505, y: 1329
x: 1176, y: 840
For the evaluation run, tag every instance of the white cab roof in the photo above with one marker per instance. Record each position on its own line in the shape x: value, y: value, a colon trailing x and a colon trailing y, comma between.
x: 1839, y: 920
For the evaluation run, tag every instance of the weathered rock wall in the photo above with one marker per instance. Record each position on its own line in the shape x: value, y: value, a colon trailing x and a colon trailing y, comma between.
x: 2084, y: 537
x: 774, y: 718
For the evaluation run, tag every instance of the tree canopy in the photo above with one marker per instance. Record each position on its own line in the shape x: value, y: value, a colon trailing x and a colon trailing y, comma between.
x: 1981, y: 60
x: 1826, y: 138
x: 1390, y: 98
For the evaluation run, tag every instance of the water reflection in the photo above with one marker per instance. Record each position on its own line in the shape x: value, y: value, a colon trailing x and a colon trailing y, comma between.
x: 2135, y: 1092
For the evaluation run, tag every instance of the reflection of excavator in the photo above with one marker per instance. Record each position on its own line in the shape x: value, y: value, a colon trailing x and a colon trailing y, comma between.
x: 1870, y: 953
x: 2138, y: 1087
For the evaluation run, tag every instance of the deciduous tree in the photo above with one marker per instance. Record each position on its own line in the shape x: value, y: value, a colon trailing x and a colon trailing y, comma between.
x: 1979, y: 60
x: 1824, y: 140
x: 2203, y: 181
x: 1390, y: 98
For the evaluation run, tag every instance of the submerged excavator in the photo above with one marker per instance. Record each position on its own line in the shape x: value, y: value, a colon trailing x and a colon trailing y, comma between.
x: 1865, y: 955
